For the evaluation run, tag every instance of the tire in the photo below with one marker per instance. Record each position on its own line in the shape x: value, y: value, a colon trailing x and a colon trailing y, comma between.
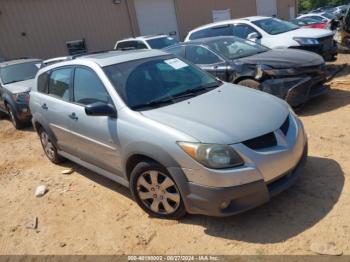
x: 155, y: 191
x: 18, y: 124
x: 251, y: 84
x: 49, y: 148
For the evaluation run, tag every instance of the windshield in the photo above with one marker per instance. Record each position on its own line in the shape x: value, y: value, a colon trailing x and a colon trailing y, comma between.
x: 160, y: 43
x: 274, y: 26
x: 233, y: 48
x: 153, y: 82
x: 19, y: 72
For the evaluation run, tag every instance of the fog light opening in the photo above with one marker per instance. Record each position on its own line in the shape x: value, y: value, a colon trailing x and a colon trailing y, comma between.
x: 224, y: 204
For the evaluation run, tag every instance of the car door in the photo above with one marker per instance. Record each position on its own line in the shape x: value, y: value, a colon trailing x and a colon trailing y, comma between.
x: 96, y: 137
x: 54, y: 92
x: 207, y: 60
x: 54, y: 106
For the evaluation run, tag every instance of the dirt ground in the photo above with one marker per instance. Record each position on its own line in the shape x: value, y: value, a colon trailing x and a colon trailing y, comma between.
x: 84, y: 213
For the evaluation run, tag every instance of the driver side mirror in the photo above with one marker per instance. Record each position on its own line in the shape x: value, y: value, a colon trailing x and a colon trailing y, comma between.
x: 253, y: 36
x: 100, y: 109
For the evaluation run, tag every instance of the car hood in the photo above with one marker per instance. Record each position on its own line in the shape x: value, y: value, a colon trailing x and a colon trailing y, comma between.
x: 284, y: 58
x: 307, y: 32
x: 227, y: 115
x: 20, y: 87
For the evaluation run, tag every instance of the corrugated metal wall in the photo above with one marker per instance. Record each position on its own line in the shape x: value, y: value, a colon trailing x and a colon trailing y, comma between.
x: 283, y: 8
x: 48, y: 24
x: 193, y: 13
x: 40, y: 28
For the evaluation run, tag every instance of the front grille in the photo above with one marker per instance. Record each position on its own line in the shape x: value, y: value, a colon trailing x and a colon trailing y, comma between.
x: 326, y: 42
x: 285, y: 126
x: 311, y: 70
x: 265, y: 141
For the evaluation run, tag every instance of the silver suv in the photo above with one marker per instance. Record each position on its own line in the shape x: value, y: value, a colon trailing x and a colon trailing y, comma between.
x: 180, y: 139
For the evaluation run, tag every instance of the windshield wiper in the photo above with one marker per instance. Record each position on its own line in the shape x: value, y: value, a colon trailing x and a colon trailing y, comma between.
x: 14, y: 81
x: 171, y: 99
x: 154, y: 103
x: 194, y: 91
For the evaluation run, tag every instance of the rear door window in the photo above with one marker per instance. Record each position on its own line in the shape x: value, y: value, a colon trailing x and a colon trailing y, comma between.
x: 43, y: 81
x: 225, y: 30
x: 243, y: 31
x: 60, y: 82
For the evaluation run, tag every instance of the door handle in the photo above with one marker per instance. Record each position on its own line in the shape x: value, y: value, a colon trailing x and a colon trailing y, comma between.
x: 44, y: 106
x: 73, y: 116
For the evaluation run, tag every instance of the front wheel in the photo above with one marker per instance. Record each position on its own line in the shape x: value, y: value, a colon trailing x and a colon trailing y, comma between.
x: 155, y: 191
x: 251, y: 84
x: 49, y: 148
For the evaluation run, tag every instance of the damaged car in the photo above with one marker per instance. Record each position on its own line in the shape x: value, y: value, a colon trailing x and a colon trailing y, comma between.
x: 16, y: 81
x: 293, y: 75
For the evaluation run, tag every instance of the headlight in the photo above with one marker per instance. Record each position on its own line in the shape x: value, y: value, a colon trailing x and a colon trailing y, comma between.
x: 306, y: 41
x: 212, y: 155
x: 260, y: 69
x: 267, y: 70
x: 21, y: 97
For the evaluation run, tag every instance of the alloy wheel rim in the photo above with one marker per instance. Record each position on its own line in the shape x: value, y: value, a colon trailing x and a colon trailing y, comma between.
x: 47, y: 145
x: 158, y: 192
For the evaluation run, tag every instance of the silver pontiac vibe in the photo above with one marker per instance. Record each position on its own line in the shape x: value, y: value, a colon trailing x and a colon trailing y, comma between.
x: 180, y: 139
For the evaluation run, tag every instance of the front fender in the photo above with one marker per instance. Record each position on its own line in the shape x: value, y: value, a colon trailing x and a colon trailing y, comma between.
x: 149, y: 150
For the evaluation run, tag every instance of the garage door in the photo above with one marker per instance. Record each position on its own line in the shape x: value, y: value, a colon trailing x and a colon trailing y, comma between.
x: 266, y: 7
x: 156, y: 17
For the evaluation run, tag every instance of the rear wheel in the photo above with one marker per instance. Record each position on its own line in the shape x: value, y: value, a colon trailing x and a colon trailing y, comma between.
x: 251, y: 84
x: 49, y: 148
x: 155, y: 191
x: 14, y: 119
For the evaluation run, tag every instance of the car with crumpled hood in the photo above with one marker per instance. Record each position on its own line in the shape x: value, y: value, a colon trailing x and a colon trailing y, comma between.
x: 177, y: 137
x: 273, y: 33
x: 293, y: 75
x: 16, y: 80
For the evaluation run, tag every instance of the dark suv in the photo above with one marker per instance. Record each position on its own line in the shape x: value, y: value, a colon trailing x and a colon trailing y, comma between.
x: 16, y: 80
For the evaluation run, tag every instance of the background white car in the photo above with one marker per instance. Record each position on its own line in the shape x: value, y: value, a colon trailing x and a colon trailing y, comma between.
x: 322, y: 17
x: 273, y: 33
x: 145, y: 42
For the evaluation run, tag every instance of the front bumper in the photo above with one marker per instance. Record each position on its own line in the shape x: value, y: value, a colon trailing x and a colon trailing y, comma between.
x: 208, y: 200
x: 266, y: 173
x: 296, y: 90
x: 23, y: 112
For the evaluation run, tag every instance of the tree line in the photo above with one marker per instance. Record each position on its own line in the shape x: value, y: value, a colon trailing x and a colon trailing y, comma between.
x: 307, y: 5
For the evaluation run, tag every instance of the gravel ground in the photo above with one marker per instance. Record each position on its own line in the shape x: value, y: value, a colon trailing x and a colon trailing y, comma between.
x: 83, y: 213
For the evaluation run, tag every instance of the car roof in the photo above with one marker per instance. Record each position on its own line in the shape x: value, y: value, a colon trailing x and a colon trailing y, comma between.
x: 146, y: 37
x: 232, y: 21
x: 116, y: 57
x: 18, y: 61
